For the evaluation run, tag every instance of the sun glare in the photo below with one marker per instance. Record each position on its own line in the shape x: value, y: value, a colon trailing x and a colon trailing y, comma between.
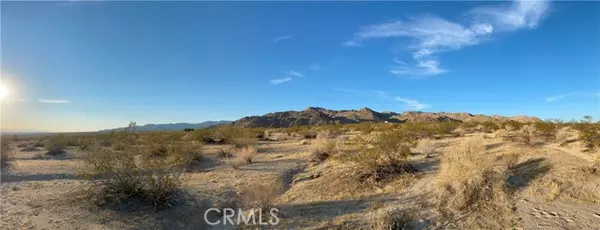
x: 3, y: 91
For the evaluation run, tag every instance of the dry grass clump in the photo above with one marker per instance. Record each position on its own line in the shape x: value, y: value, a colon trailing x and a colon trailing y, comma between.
x: 327, y: 134
x: 247, y: 154
x: 382, y: 156
x: 240, y: 143
x: 243, y: 156
x: 321, y: 149
x: 389, y: 220
x: 427, y: 147
x: 562, y: 135
x: 471, y: 190
x: 261, y: 196
x: 224, y: 153
x: 568, y: 182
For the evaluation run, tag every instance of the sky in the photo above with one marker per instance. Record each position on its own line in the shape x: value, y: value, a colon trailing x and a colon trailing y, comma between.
x: 85, y: 66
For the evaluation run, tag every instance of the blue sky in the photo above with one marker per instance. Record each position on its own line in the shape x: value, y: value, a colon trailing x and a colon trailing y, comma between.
x: 79, y: 66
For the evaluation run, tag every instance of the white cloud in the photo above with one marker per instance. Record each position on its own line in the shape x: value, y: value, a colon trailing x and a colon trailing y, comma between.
x: 54, y: 101
x: 294, y: 73
x: 431, y: 35
x: 346, y: 90
x: 280, y: 80
x: 383, y: 94
x: 22, y: 99
x: 285, y: 37
x: 557, y: 97
x: 315, y: 67
x: 412, y: 104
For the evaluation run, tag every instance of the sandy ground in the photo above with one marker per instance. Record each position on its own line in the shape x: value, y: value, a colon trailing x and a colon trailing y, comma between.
x: 44, y: 193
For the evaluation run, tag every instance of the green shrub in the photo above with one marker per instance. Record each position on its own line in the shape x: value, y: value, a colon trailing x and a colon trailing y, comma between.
x: 383, y: 155
x: 546, y: 130
x: 590, y: 135
x: 134, y: 174
x: 56, y: 142
x: 6, y: 155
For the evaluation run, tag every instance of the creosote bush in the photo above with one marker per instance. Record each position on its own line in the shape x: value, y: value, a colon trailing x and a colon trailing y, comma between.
x: 471, y: 189
x: 135, y: 173
x: 6, y: 155
x: 382, y: 155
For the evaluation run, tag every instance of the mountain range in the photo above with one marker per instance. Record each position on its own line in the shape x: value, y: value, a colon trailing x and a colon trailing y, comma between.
x: 171, y: 126
x: 321, y: 116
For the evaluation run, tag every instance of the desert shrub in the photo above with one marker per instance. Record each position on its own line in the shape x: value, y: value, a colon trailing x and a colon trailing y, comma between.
x: 326, y: 134
x: 55, y: 152
x: 56, y: 142
x: 383, y: 155
x: 489, y: 126
x: 364, y: 127
x: 85, y: 143
x: 590, y: 135
x: 131, y: 175
x: 511, y: 125
x: 389, y: 220
x: 310, y: 134
x: 6, y: 156
x: 546, y: 130
x: 471, y: 189
x: 38, y: 144
x: 247, y: 154
x: 243, y: 142
x: 224, y: 153
x: 526, y: 136
x: 262, y: 196
x: 321, y: 150
x: 562, y: 135
x: 427, y: 147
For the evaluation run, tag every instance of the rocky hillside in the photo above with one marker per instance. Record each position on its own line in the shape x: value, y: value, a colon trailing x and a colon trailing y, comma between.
x: 321, y: 116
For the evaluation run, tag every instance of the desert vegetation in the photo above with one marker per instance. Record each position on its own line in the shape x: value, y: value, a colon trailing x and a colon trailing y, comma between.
x: 440, y: 175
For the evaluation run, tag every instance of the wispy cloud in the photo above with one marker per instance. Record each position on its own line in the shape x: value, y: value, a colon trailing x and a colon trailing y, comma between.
x: 558, y: 97
x: 294, y: 73
x: 54, y: 101
x: 571, y: 94
x: 315, y: 67
x: 346, y: 90
x: 383, y: 94
x: 280, y: 80
x: 22, y: 99
x: 413, y: 104
x: 285, y: 37
x: 432, y: 35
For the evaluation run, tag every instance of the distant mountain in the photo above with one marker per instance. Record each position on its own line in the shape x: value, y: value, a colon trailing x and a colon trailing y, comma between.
x: 321, y: 116
x: 171, y: 126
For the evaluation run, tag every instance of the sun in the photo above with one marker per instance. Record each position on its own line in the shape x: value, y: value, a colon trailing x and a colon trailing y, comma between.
x: 3, y: 91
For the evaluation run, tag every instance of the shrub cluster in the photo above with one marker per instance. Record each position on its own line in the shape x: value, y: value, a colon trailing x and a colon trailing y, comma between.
x: 150, y: 174
x: 382, y: 154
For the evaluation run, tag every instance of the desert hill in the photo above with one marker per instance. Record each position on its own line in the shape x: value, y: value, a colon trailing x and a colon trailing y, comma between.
x: 321, y: 116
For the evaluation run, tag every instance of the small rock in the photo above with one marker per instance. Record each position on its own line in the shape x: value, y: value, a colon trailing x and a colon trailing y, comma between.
x: 597, y: 215
x: 554, y: 213
x: 568, y: 220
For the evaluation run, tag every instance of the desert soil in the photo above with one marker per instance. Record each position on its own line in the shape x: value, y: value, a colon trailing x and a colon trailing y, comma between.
x: 46, y: 193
